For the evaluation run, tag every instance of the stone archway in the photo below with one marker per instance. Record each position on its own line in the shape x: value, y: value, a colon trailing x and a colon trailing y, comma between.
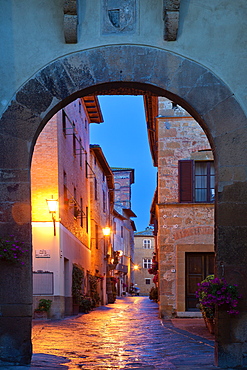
x: 137, y: 68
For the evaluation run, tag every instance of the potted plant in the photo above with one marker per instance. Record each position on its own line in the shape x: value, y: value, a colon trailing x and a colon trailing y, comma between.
x: 43, y: 308
x: 214, y: 292
x: 86, y: 304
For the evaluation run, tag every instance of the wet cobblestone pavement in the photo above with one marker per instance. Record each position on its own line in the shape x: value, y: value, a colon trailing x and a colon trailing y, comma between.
x: 124, y: 335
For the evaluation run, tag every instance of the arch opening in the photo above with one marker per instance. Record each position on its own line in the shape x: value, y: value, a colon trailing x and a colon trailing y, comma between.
x: 190, y: 85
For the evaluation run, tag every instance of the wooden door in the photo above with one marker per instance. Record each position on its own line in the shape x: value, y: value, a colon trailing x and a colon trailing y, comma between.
x: 198, y: 267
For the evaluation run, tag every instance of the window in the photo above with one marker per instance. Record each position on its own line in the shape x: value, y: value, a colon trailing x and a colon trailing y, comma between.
x: 196, y: 181
x: 64, y: 122
x: 65, y: 190
x: 80, y: 152
x: 75, y: 205
x: 147, y: 263
x: 95, y: 189
x: 148, y: 281
x: 121, y: 231
x: 86, y: 170
x: 74, y: 140
x: 204, y: 181
x: 147, y: 243
x: 87, y: 220
x: 104, y: 202
x: 96, y: 236
x: 81, y: 206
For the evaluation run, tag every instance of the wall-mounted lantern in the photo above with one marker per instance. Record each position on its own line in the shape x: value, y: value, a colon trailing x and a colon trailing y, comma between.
x: 53, y: 207
x: 106, y: 231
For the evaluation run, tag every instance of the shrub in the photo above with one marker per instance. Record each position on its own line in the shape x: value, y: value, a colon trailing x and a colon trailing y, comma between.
x: 153, y: 294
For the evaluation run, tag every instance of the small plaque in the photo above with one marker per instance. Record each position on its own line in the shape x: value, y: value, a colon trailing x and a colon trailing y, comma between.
x: 42, y: 253
x: 119, y: 16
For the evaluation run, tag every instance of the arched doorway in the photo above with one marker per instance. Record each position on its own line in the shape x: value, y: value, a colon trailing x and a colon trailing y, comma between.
x: 123, y: 69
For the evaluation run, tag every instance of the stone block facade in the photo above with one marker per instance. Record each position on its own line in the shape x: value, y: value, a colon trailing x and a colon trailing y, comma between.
x: 186, y: 229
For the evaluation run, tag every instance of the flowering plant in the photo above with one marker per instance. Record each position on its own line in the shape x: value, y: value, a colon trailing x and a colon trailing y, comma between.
x: 12, y: 250
x: 214, y: 291
x: 154, y: 269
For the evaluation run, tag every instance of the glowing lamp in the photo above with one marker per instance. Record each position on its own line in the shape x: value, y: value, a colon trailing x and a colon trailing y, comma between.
x: 136, y: 267
x: 52, y: 205
x: 106, y: 231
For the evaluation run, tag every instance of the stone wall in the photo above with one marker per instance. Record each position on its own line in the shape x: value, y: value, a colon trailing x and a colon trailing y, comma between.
x: 192, y: 225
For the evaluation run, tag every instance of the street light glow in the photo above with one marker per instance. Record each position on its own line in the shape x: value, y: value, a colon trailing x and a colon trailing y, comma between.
x: 106, y: 231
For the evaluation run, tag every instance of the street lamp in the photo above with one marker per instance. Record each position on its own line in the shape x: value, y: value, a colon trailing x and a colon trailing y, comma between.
x: 135, y: 267
x: 53, y: 206
x: 106, y: 231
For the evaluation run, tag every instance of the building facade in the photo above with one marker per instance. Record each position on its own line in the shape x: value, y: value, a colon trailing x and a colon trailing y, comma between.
x: 124, y: 227
x: 144, y: 254
x: 60, y: 171
x: 101, y: 215
x: 184, y: 208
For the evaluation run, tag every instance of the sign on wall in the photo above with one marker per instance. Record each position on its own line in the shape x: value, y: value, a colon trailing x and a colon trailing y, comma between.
x: 42, y: 253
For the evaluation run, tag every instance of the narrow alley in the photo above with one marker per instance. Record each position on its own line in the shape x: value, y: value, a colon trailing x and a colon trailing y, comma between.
x: 124, y: 335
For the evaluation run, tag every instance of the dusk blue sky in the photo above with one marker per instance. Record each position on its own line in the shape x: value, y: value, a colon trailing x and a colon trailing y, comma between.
x: 124, y: 141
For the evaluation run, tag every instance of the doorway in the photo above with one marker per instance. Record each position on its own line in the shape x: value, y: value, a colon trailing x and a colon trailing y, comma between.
x: 197, y: 267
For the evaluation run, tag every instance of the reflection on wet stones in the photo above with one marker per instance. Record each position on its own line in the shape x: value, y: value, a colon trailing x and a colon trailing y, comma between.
x: 120, y: 338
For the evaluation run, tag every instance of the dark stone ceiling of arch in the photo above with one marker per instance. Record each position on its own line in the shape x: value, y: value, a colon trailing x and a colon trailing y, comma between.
x: 123, y: 91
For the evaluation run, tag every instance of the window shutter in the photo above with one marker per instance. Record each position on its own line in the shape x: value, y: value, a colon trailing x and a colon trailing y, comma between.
x: 185, y: 181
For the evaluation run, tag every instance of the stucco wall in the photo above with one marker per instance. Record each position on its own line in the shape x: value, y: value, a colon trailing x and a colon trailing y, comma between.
x: 212, y: 34
x: 142, y: 274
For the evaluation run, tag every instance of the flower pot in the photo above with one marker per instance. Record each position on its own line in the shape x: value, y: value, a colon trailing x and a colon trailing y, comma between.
x: 40, y: 315
x: 210, y: 325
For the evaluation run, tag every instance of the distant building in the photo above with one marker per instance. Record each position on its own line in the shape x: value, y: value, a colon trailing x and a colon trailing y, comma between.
x: 124, y: 227
x: 144, y: 253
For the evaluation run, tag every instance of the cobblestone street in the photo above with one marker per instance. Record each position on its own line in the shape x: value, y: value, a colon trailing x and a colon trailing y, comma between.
x: 124, y: 335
